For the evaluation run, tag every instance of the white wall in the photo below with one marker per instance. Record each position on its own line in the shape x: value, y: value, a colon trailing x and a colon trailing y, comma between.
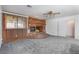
x: 77, y: 26
x: 62, y: 27
x: 59, y: 26
x: 51, y: 27
x: 0, y: 27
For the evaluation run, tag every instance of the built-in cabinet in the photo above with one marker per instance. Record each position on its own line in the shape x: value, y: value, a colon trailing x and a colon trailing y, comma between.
x: 16, y: 27
x: 36, y: 25
x: 36, y: 28
x: 13, y: 27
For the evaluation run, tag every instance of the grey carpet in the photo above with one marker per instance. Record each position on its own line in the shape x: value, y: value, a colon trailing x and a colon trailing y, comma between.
x: 50, y: 45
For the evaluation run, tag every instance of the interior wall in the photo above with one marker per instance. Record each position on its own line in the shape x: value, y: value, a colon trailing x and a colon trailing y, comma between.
x: 59, y: 26
x: 0, y: 26
x: 77, y: 26
x: 62, y: 26
x: 51, y: 27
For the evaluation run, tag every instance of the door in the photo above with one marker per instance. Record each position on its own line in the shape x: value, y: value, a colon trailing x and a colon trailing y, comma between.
x: 11, y: 35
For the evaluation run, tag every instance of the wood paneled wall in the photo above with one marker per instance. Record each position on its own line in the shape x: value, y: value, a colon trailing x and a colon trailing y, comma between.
x: 37, y: 22
x: 10, y: 35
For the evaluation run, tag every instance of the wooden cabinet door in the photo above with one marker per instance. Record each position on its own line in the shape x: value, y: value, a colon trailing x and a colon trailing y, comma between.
x: 20, y: 33
x: 24, y: 33
x: 11, y: 35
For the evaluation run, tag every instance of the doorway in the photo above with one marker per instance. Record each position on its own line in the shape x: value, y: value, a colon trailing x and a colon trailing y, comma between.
x: 71, y: 28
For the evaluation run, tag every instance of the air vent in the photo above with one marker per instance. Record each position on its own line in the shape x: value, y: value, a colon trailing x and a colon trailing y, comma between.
x: 29, y: 6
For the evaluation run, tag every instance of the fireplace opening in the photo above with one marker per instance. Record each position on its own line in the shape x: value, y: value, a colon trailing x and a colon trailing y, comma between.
x: 36, y: 29
x: 32, y: 29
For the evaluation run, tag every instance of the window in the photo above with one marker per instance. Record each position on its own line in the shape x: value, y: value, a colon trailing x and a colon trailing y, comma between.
x: 13, y: 22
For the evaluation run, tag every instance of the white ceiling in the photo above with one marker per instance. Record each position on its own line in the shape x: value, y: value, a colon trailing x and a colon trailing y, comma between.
x: 38, y: 10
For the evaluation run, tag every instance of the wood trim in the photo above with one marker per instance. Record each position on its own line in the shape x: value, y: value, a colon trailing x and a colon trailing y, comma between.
x: 3, y: 28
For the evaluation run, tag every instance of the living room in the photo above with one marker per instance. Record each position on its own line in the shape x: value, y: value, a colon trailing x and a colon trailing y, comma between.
x: 37, y: 23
